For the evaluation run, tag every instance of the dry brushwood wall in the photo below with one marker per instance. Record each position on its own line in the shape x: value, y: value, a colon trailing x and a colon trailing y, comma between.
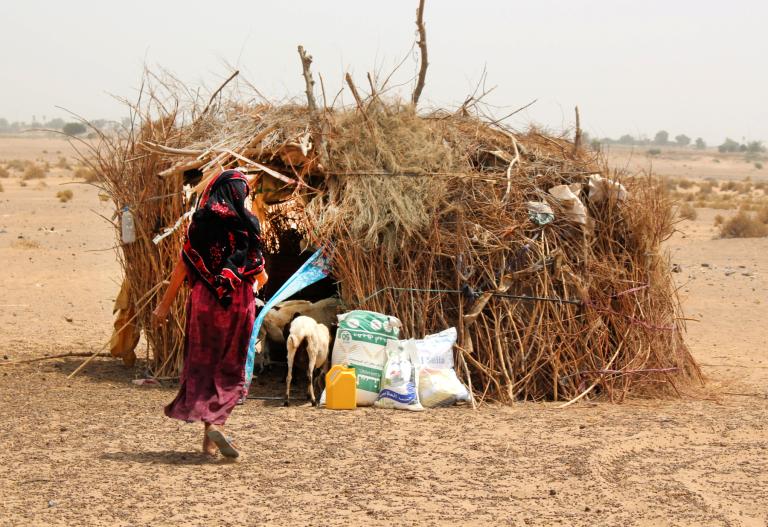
x: 426, y: 219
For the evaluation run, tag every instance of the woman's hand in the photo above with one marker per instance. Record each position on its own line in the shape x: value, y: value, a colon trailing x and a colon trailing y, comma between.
x: 261, y: 280
x: 160, y: 315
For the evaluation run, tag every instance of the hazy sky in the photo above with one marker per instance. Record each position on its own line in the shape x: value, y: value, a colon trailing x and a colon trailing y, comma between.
x: 694, y: 67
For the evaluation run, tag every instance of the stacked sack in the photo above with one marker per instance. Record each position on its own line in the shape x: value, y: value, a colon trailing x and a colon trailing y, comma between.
x: 420, y: 374
x: 408, y: 374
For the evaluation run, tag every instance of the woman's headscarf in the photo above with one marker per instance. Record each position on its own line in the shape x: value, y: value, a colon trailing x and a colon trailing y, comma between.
x: 223, y: 243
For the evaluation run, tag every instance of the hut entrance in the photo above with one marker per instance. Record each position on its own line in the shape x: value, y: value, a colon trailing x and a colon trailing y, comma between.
x: 286, y: 251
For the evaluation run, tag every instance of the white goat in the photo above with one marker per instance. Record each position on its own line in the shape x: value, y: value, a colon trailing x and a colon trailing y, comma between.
x: 278, y: 320
x: 307, y: 334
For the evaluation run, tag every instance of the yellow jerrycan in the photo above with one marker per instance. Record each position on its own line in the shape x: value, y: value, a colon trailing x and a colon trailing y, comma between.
x: 341, y: 388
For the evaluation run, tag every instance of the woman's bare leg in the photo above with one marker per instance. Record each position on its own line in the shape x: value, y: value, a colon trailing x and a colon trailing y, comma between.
x: 209, y: 447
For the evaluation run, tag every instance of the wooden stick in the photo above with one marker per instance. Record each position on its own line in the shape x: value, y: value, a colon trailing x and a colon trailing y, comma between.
x: 509, y: 171
x: 50, y: 357
x: 423, y: 52
x: 577, y: 136
x: 162, y: 149
x: 360, y: 106
x: 355, y: 93
x: 585, y: 392
x: 210, y: 101
x: 372, y: 84
x: 306, y: 62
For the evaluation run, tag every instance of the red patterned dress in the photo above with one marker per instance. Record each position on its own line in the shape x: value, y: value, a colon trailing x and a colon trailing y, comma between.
x: 223, y: 256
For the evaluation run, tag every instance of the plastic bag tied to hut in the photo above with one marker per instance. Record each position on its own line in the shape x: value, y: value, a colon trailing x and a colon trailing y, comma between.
x: 568, y: 197
x: 539, y: 212
x: 601, y: 188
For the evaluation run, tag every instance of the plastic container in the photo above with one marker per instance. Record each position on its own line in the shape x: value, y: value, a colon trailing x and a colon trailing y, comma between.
x: 128, y: 226
x: 341, y: 388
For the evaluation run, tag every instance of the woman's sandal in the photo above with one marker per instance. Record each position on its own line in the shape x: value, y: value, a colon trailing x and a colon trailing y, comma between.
x: 226, y: 446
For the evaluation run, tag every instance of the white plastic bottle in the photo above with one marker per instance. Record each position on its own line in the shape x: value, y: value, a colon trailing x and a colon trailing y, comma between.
x: 128, y: 226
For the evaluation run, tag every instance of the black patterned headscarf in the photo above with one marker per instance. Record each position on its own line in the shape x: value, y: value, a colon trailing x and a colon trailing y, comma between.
x: 223, y: 243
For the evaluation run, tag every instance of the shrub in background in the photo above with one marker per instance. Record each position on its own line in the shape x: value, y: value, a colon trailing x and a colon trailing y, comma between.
x: 743, y: 225
x: 687, y: 212
x: 65, y: 195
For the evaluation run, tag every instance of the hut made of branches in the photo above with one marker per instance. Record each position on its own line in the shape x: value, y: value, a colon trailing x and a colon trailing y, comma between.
x: 441, y: 218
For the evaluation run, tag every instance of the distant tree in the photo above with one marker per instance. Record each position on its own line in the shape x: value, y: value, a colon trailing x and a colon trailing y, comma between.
x: 55, y: 124
x: 3, y: 125
x: 661, y: 138
x: 682, y: 140
x: 729, y: 145
x: 74, y: 128
x: 596, y: 145
x: 700, y: 144
x: 755, y: 147
x: 626, y: 139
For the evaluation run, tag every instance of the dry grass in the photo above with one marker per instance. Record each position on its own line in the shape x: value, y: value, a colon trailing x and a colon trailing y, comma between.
x: 719, y: 219
x: 762, y: 214
x: 65, y: 195
x: 34, y: 171
x: 743, y: 225
x: 705, y: 189
x: 87, y: 174
x: 687, y: 212
x: 18, y: 164
x: 63, y: 163
x: 4, y: 172
x: 1, y: 188
x: 24, y: 243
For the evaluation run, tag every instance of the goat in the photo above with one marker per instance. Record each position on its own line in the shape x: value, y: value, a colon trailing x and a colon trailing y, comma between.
x: 276, y: 325
x: 315, y: 338
x: 323, y: 311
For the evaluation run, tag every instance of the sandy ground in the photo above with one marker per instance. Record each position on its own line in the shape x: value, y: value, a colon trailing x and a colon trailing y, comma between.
x: 96, y: 450
x: 687, y: 163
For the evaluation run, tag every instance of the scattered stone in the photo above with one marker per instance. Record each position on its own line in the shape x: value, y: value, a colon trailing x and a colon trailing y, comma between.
x: 746, y: 274
x: 677, y: 269
x: 552, y: 492
x: 587, y: 509
x: 705, y: 265
x: 729, y: 273
x: 582, y: 427
x: 51, y: 503
x: 5, y: 357
x: 68, y: 319
x: 63, y: 429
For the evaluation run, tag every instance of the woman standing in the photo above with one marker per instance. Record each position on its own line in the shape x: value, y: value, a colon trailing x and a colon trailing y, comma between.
x: 221, y: 259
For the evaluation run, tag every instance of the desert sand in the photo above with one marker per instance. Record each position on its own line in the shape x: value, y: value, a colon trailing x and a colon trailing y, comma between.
x: 97, y: 450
